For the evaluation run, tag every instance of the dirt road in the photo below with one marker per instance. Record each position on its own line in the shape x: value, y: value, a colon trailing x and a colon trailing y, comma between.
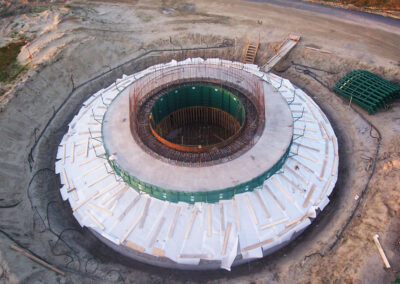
x: 338, y: 13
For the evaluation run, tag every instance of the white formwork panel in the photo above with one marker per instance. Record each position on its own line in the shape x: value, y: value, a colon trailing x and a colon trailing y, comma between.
x: 289, y: 197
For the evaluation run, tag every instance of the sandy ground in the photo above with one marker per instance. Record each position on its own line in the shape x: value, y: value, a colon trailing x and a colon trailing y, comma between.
x: 74, y: 41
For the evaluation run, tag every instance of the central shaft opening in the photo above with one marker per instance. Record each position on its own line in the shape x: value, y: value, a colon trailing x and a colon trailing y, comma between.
x: 197, y: 118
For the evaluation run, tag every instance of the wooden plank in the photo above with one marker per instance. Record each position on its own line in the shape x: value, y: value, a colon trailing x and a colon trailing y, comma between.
x: 284, y: 192
x: 108, y: 188
x: 89, y: 132
x: 236, y: 213
x: 117, y: 197
x: 381, y: 252
x: 306, y: 147
x: 72, y: 186
x: 274, y: 223
x: 93, y: 169
x: 319, y: 50
x: 257, y: 245
x: 88, y: 161
x: 100, y: 209
x: 172, y: 228
x: 298, y: 111
x: 134, y: 246
x: 63, y: 154
x: 75, y: 195
x: 326, y: 148
x: 262, y: 203
x: 304, y: 166
x: 87, y: 147
x: 130, y: 229
x: 81, y: 142
x: 37, y: 260
x: 304, y: 156
x: 296, y: 174
x: 72, y: 152
x: 94, y: 220
x: 99, y: 179
x: 298, y: 220
x: 189, y: 228
x: 324, y: 191
x: 226, y: 238
x: 312, y: 111
x: 326, y: 130
x: 306, y: 129
x: 252, y: 213
x: 94, y: 194
x: 156, y: 232
x: 302, y: 99
x: 145, y: 212
x: 336, y: 155
x: 65, y: 179
x: 305, y: 120
x: 209, y: 228
x: 322, y: 170
x: 221, y: 215
x: 321, y: 130
x: 284, y: 231
x: 158, y: 252
x: 128, y: 208
x: 193, y: 255
x: 309, y: 196
x: 274, y: 198
x: 91, y: 147
x: 291, y: 183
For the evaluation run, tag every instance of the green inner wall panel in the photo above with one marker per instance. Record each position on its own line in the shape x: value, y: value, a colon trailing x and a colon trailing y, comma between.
x: 197, y: 95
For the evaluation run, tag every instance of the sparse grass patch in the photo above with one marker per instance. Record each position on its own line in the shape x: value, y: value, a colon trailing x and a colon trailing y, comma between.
x: 9, y: 67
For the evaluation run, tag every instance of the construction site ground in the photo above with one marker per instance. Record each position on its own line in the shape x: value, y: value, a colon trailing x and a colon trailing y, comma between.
x: 73, y: 41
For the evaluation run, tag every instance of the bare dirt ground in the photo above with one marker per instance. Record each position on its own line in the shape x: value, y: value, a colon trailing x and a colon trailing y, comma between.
x: 71, y: 42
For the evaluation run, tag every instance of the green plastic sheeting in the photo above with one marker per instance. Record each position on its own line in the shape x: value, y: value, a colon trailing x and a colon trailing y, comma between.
x: 367, y: 90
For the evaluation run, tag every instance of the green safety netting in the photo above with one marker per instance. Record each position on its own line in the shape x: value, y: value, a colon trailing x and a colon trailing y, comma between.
x: 199, y: 196
x: 367, y: 90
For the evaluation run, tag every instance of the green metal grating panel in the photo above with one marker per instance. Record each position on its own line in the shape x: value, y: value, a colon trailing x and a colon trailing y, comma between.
x: 367, y: 90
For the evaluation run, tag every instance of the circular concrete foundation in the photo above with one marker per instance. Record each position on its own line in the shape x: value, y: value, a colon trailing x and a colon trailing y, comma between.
x: 236, y: 206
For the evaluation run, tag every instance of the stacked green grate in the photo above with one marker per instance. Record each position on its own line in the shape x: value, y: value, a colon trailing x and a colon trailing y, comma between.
x: 367, y: 90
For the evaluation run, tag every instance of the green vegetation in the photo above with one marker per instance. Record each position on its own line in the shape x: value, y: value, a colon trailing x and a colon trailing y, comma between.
x: 9, y: 67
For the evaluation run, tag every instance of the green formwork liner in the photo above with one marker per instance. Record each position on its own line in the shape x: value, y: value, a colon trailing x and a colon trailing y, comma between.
x: 199, y: 196
x: 197, y: 95
x: 367, y: 90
